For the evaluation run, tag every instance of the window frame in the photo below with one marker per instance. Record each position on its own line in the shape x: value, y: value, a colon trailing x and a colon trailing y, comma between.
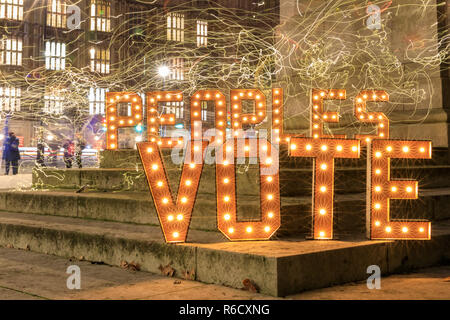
x: 96, y: 21
x: 8, y: 10
x: 57, y: 18
x: 10, y: 102
x: 95, y: 61
x: 175, y: 26
x: 52, y: 58
x: 11, y: 52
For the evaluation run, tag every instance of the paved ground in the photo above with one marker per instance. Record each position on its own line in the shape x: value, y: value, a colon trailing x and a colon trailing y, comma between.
x: 29, y: 275
x: 14, y: 182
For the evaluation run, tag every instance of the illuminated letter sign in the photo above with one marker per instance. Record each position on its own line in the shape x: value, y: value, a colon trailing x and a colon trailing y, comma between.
x: 175, y: 216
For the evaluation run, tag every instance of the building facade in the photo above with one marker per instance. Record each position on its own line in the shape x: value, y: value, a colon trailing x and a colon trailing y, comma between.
x: 58, y: 58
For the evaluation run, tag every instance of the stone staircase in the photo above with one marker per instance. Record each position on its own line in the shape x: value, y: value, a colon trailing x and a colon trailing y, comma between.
x: 114, y: 219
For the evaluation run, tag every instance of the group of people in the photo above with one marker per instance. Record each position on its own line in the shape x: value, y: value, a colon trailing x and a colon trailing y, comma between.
x: 11, y: 153
x: 72, y: 150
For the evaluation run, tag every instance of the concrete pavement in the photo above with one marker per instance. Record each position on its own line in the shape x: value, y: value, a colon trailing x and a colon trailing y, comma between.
x: 29, y: 275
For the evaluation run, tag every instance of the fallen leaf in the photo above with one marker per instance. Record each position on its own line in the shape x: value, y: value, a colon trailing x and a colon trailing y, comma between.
x: 167, y: 271
x: 249, y: 285
x: 83, y: 188
x: 189, y: 275
x: 132, y: 266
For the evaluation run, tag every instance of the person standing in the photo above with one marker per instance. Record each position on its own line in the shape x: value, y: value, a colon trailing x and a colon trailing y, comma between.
x: 11, y: 154
x: 80, y: 146
x: 40, y: 152
x: 68, y: 153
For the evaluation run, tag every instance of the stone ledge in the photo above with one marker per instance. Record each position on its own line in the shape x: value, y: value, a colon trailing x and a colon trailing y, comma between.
x: 279, y: 268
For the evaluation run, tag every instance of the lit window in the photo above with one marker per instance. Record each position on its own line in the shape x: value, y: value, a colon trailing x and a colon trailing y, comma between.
x: 176, y: 107
x: 56, y: 13
x: 175, y: 27
x: 100, y: 60
x: 204, y: 111
x: 177, y: 69
x: 11, y: 51
x: 97, y: 100
x: 10, y: 98
x: 53, y: 103
x: 11, y: 9
x: 202, y: 33
x: 55, y: 55
x: 100, y: 15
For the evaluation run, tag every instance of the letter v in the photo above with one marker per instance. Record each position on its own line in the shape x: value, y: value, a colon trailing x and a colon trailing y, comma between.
x: 174, y: 218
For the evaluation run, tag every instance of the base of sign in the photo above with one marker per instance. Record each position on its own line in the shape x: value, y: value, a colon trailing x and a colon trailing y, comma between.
x: 312, y: 238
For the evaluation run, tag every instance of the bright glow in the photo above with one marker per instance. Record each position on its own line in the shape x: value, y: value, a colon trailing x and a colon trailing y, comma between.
x: 163, y: 71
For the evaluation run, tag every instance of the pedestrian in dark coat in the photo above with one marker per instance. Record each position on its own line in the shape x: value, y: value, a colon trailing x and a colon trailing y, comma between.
x: 11, y: 154
x: 69, y: 149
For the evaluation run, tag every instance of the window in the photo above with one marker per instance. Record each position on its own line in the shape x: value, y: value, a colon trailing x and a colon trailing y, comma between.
x: 202, y: 33
x: 100, y: 60
x: 177, y: 69
x: 11, y: 51
x: 53, y: 103
x: 204, y: 105
x: 55, y: 55
x: 97, y: 100
x: 100, y: 15
x: 175, y: 27
x: 10, y: 98
x: 11, y: 9
x: 56, y: 13
x: 176, y: 108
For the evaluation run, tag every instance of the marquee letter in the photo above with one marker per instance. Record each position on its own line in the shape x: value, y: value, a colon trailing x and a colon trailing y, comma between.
x: 174, y: 218
x: 318, y: 116
x: 379, y: 118
x: 220, y: 112
x: 380, y: 189
x: 154, y: 120
x: 323, y: 152
x: 239, y: 118
x: 114, y: 121
x: 226, y: 194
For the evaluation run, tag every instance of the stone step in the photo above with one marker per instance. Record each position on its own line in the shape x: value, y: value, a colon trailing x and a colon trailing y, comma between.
x: 138, y: 208
x: 293, y: 181
x: 278, y: 268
